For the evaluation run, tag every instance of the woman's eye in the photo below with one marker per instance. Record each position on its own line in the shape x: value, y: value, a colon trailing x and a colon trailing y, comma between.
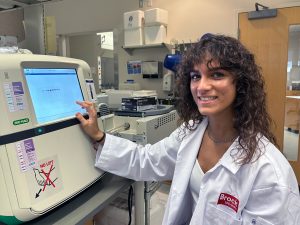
x: 195, y: 76
x: 217, y: 75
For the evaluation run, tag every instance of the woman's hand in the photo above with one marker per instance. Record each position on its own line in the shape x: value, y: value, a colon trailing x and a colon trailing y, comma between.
x: 90, y: 125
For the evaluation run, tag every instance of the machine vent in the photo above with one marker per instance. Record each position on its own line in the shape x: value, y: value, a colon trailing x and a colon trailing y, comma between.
x: 103, y: 109
x: 166, y: 119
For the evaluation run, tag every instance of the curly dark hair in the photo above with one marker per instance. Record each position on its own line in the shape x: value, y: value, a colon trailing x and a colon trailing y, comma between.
x: 251, y: 119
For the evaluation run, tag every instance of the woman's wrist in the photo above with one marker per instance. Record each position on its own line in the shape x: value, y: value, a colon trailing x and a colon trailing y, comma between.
x: 101, y: 139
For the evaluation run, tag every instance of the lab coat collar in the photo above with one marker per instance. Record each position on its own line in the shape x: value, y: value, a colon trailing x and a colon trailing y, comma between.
x: 228, y: 160
x: 186, y: 157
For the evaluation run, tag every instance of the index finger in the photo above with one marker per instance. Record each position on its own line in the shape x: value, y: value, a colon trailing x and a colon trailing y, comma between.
x: 88, y: 106
x: 84, y: 104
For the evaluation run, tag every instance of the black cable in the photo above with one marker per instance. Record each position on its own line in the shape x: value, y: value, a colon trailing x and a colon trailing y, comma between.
x: 130, y: 197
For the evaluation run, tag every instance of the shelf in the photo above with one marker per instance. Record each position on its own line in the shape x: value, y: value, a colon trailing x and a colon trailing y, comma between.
x: 130, y: 49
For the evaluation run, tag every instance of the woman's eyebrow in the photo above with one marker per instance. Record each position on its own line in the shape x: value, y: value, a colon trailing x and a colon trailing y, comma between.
x: 218, y: 68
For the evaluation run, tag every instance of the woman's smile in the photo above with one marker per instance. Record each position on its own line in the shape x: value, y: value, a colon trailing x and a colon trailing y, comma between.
x: 207, y: 99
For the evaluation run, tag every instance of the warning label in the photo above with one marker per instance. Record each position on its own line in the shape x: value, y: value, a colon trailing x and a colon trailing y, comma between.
x: 45, y: 179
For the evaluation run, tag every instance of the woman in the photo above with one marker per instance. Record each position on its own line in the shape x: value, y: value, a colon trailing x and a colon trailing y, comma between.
x: 222, y: 160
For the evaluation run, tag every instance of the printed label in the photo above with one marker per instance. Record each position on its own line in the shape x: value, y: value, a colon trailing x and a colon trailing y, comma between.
x: 229, y: 200
x: 14, y: 95
x: 26, y: 154
x: 17, y: 88
x: 20, y: 121
x: 91, y: 89
x: 134, y: 67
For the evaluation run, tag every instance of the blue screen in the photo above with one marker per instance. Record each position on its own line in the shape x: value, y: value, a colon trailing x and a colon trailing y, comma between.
x: 53, y: 93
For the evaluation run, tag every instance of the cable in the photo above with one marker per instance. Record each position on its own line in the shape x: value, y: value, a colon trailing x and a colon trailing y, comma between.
x: 130, y: 196
x: 122, y: 127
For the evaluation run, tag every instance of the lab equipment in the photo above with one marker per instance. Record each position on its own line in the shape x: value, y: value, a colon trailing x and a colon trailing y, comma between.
x: 115, y: 96
x: 139, y: 103
x: 45, y: 158
x: 168, y: 80
x: 172, y: 61
x: 8, y: 41
x: 156, y: 16
x: 142, y: 129
x: 133, y: 19
x: 155, y: 34
x: 130, y: 85
x: 155, y: 29
x: 133, y: 28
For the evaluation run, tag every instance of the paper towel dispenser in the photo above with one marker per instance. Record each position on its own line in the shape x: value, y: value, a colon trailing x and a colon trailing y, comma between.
x: 152, y: 69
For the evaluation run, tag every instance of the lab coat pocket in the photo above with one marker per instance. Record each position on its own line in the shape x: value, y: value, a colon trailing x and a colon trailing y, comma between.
x: 216, y: 216
x: 261, y: 221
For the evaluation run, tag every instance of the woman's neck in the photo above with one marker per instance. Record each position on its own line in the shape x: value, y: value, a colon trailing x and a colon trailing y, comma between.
x: 221, y: 130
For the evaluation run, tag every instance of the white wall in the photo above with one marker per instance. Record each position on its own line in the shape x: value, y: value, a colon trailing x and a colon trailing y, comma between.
x: 80, y: 16
x: 188, y: 20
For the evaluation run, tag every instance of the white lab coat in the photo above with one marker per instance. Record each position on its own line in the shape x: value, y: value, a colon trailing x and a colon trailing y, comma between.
x: 264, y: 192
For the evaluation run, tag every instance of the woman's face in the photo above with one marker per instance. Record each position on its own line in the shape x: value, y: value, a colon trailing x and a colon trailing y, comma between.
x: 213, y: 90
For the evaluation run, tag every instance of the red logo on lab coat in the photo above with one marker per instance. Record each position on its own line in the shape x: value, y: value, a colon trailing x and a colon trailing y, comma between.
x: 229, y: 200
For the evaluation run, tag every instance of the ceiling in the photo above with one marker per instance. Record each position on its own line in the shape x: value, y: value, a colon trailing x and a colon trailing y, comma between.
x: 9, y: 4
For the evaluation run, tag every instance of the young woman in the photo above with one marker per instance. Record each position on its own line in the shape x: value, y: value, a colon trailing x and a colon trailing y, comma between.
x: 222, y: 160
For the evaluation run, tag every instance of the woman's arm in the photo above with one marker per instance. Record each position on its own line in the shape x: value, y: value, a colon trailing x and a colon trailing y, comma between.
x: 148, y: 163
x: 125, y: 158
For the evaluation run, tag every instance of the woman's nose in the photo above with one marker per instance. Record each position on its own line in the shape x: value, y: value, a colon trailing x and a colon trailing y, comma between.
x: 204, y: 84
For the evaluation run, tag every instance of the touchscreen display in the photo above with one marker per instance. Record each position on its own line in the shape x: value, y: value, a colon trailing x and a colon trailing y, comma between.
x: 53, y: 93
